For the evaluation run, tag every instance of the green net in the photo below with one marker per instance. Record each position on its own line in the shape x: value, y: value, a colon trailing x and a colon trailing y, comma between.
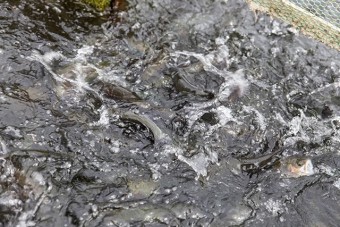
x: 319, y: 19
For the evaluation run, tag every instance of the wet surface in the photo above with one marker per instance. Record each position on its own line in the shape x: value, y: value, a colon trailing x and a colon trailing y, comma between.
x: 145, y: 117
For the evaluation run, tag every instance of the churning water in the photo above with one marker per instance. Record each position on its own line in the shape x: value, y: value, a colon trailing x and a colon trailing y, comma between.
x: 165, y: 113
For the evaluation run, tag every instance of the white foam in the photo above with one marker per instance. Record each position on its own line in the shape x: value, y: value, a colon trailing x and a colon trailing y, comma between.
x: 333, y: 85
x: 238, y: 214
x: 80, y: 71
x: 9, y: 199
x: 224, y: 114
x: 17, y: 132
x: 115, y: 146
x: 79, y: 61
x: 274, y: 207
x: 4, y: 149
x: 155, y: 171
x: 46, y: 58
x: 38, y: 178
x: 295, y: 124
x: 206, y: 60
x: 83, y: 52
x: 260, y: 118
x: 327, y: 170
x: 337, y: 183
x: 280, y: 118
x: 220, y: 55
x: 23, y: 219
x: 198, y: 163
x: 104, y: 118
x: 309, y: 129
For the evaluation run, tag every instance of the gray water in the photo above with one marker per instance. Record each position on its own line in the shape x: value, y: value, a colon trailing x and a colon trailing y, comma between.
x: 137, y: 117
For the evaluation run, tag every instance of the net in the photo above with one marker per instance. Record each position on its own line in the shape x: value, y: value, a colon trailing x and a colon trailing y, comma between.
x: 319, y: 19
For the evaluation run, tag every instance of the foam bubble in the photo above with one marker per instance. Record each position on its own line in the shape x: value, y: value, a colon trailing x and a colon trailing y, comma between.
x: 104, y: 118
x: 198, y: 163
x: 274, y: 207
x: 337, y: 183
x: 83, y: 52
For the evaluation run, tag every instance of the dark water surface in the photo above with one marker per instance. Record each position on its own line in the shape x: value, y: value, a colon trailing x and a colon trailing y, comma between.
x: 142, y: 118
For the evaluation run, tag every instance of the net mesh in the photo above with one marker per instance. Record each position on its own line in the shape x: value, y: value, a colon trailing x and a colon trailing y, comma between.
x: 319, y: 19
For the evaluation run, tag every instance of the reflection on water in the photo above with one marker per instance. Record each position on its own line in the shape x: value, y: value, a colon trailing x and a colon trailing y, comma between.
x: 166, y: 113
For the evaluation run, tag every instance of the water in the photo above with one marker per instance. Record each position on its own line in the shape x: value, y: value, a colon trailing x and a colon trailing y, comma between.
x: 144, y: 117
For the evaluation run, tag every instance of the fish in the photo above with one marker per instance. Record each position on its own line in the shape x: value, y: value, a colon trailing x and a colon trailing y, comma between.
x: 256, y: 164
x: 290, y: 167
x: 248, y: 164
x: 296, y: 166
